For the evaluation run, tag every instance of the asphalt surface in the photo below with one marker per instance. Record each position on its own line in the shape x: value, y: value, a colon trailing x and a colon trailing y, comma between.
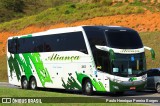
x: 6, y: 84
x: 145, y: 93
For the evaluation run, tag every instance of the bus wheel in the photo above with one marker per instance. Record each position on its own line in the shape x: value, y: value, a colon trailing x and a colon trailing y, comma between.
x: 33, y: 83
x: 24, y: 83
x: 87, y: 87
x: 158, y: 88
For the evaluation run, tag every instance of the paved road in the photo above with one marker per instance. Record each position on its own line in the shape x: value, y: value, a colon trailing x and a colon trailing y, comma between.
x: 6, y: 84
x: 145, y: 93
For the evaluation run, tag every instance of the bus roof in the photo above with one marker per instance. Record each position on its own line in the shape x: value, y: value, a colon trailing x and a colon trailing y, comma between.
x: 75, y: 29
x: 109, y: 28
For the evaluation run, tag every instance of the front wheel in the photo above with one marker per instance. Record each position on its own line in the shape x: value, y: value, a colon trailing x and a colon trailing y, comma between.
x: 158, y: 88
x: 33, y: 83
x: 87, y: 87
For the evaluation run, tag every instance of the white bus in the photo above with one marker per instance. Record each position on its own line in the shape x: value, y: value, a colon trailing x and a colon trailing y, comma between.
x: 86, y: 58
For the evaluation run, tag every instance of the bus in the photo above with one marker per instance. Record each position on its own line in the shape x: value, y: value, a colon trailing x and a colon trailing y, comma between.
x: 84, y: 58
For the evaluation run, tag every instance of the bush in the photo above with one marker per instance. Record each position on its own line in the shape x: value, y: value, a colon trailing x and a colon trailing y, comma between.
x: 15, y: 5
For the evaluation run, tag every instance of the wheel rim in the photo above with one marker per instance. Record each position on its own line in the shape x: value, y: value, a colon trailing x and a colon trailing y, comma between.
x: 88, y: 87
x: 33, y: 85
x: 158, y: 88
x: 25, y: 83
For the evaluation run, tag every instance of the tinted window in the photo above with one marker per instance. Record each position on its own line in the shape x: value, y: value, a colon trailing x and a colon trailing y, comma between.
x: 65, y: 42
x: 96, y: 38
x: 27, y: 45
x: 12, y: 46
x: 124, y: 39
x: 73, y: 41
x: 51, y: 43
x: 100, y: 57
x: 47, y: 43
x: 153, y: 72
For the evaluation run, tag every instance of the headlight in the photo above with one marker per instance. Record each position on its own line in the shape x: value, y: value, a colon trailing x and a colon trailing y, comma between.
x: 117, y: 81
x: 115, y: 87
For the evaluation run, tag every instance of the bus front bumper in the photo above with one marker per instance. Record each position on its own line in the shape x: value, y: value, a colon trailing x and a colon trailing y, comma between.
x: 127, y: 86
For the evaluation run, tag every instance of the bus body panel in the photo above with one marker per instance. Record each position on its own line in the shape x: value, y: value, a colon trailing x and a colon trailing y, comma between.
x: 66, y: 69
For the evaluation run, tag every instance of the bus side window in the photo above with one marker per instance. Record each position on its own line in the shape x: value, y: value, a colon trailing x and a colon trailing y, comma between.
x: 101, y: 58
x: 47, y: 47
x: 12, y: 46
x: 38, y: 44
x: 73, y: 41
x: 102, y: 61
x: 51, y: 43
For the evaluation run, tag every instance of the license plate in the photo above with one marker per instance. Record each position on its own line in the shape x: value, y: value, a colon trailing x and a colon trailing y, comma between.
x: 132, y: 88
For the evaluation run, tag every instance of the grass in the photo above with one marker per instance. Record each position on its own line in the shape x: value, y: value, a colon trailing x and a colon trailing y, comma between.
x: 28, y: 8
x: 68, y: 13
x: 15, y: 92
x: 12, y: 92
x: 3, y: 68
x: 150, y: 39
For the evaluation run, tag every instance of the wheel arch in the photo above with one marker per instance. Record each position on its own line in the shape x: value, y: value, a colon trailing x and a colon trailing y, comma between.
x: 84, y: 79
x: 84, y: 89
x: 23, y: 76
x: 32, y: 77
x: 157, y: 84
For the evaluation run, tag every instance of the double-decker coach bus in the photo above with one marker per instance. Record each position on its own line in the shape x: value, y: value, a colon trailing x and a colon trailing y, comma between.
x: 86, y: 58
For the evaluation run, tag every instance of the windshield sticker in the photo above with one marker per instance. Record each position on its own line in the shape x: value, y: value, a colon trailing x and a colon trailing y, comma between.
x: 129, y: 71
x: 115, y: 70
x: 95, y: 72
x: 132, y: 58
x: 137, y: 64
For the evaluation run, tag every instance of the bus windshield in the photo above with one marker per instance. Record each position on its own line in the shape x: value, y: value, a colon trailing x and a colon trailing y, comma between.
x: 128, y: 65
x: 124, y: 39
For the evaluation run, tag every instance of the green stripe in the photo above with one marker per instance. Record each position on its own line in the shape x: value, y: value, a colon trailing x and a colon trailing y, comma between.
x: 25, y: 64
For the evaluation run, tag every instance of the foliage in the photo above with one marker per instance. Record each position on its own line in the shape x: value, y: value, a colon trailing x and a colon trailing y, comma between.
x: 68, y: 13
x: 15, y: 5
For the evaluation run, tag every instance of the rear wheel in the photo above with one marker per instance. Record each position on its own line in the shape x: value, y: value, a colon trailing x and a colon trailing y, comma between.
x: 87, y: 87
x: 33, y: 83
x: 158, y: 88
x: 24, y: 83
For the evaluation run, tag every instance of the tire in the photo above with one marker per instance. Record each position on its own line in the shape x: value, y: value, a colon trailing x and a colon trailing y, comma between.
x: 158, y: 88
x: 87, y: 87
x: 24, y: 83
x: 33, y: 84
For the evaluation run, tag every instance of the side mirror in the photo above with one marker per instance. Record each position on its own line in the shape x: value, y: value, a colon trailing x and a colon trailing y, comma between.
x: 112, y: 55
x: 152, y: 52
